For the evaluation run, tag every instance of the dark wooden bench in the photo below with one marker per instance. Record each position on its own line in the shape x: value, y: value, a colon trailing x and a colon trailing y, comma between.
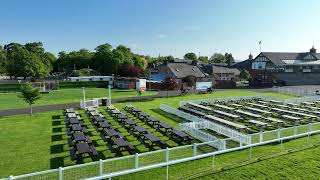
x: 73, y: 154
x: 93, y: 150
x: 97, y: 128
x: 70, y: 142
x: 103, y: 137
x: 130, y: 148
x: 68, y: 132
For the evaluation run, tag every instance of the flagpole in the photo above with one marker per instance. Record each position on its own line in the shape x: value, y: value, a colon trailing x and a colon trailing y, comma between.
x: 260, y: 45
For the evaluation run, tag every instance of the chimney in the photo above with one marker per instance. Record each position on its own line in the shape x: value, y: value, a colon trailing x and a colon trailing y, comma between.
x: 313, y: 50
x: 250, y: 56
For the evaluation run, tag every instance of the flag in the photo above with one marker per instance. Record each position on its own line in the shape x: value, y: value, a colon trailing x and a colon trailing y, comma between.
x: 260, y: 42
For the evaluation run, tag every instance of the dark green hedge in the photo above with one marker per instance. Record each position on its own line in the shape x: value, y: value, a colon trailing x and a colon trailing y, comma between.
x: 9, y: 87
x: 96, y: 84
x: 63, y: 85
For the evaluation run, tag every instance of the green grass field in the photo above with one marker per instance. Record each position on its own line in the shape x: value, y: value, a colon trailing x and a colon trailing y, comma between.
x: 11, y: 100
x: 295, y: 159
x: 38, y: 142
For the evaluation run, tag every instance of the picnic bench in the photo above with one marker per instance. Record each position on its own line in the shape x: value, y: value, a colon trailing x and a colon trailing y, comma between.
x: 223, y: 107
x: 293, y: 104
x: 257, y: 123
x: 121, y: 144
x: 308, y: 103
x: 257, y: 105
x: 225, y: 122
x: 84, y: 148
x: 140, y: 130
x: 258, y: 110
x: 161, y: 126
x: 226, y: 114
x: 271, y: 119
x: 192, y: 111
x: 236, y: 105
x: 153, y: 139
x: 291, y: 118
x: 181, y: 136
x: 294, y: 113
x: 198, y: 106
x: 111, y: 133
x: 249, y: 114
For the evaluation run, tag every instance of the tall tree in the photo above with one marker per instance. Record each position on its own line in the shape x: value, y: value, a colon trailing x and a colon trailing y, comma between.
x: 3, y: 60
x: 29, y: 94
x: 190, y: 56
x: 229, y: 59
x: 217, y: 58
x: 78, y: 59
x: 29, y: 60
x: 203, y: 59
x: 103, y: 60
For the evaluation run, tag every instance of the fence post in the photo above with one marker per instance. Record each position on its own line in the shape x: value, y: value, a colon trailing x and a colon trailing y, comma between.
x: 194, y: 149
x: 295, y: 129
x: 100, y: 167
x: 309, y: 130
x: 261, y: 136
x: 60, y: 173
x: 250, y: 153
x: 279, y: 133
x: 136, y: 161
x: 240, y: 141
x: 167, y: 160
x: 213, y: 162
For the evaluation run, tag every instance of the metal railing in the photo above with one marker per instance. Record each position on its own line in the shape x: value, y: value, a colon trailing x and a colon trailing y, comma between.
x: 208, y: 124
x: 297, y: 91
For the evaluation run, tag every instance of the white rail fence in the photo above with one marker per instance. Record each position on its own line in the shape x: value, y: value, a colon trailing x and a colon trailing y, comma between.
x: 207, y: 124
x: 201, y: 135
x: 298, y: 91
x: 150, y: 160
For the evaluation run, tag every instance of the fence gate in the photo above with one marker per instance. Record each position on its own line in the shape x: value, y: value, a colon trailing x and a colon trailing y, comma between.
x: 89, y: 103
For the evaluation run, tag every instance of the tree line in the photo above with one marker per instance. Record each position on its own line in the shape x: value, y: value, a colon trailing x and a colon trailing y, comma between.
x: 32, y: 60
x: 226, y: 58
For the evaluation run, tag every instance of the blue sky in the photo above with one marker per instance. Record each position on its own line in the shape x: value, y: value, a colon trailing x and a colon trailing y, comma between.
x: 167, y: 27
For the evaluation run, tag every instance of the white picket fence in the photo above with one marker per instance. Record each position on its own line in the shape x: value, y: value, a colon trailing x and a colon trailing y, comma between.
x: 207, y: 124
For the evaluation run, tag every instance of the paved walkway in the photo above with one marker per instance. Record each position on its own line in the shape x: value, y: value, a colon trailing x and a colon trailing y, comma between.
x: 46, y: 108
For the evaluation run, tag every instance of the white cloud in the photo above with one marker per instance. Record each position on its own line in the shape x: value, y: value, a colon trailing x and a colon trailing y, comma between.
x: 161, y: 36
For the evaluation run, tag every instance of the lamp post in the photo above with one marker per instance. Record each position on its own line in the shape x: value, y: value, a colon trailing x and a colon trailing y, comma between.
x: 84, y: 94
x: 109, y: 91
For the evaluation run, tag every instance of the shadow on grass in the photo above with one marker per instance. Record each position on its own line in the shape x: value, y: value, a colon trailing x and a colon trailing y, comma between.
x: 56, y: 138
x: 56, y: 130
x: 56, y: 123
x: 56, y: 117
x: 56, y: 162
x: 167, y: 115
x: 54, y: 149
